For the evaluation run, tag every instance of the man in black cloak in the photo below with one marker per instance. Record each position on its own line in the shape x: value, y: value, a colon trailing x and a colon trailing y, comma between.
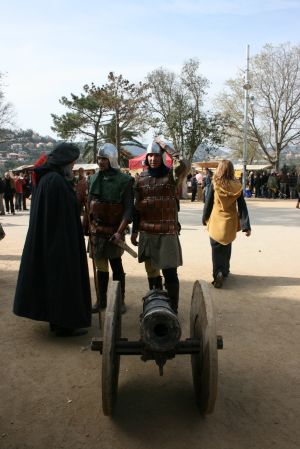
x: 53, y: 283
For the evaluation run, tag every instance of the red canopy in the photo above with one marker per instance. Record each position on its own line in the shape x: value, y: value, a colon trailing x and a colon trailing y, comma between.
x: 137, y: 162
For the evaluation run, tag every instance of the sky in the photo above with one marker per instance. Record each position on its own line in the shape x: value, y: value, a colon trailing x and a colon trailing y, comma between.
x: 49, y: 49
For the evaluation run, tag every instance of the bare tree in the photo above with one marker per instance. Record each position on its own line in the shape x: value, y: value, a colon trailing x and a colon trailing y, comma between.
x: 176, y: 105
x: 7, y: 115
x: 274, y: 113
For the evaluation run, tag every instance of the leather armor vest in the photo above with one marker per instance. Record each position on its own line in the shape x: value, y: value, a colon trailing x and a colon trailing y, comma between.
x: 105, y: 217
x: 157, y: 204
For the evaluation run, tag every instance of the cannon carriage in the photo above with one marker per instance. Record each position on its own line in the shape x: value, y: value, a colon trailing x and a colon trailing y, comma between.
x: 160, y: 334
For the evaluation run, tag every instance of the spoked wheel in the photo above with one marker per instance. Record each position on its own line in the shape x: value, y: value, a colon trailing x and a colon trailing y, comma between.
x: 204, y: 363
x: 111, y: 360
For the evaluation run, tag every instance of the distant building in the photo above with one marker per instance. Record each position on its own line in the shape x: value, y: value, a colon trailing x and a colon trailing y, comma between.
x: 12, y: 156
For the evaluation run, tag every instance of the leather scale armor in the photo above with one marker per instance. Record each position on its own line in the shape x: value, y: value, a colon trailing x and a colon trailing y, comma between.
x: 105, y: 218
x: 157, y: 205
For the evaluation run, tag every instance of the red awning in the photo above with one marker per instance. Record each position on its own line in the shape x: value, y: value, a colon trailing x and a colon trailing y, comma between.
x: 137, y: 162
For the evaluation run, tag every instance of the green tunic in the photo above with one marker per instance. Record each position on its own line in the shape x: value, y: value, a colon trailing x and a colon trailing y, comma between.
x: 111, y: 186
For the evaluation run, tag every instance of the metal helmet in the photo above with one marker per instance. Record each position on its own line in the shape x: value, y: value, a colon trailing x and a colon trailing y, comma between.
x: 153, y: 148
x: 109, y: 151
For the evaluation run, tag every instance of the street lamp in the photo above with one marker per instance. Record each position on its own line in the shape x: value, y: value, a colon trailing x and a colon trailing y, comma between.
x: 246, y: 87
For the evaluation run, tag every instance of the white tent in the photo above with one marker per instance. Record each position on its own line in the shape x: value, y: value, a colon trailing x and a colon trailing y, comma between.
x: 252, y: 167
x: 86, y: 167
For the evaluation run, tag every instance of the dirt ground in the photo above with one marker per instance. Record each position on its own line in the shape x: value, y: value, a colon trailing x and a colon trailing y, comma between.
x: 50, y: 387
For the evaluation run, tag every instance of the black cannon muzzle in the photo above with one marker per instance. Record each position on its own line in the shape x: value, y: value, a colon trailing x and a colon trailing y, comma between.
x: 160, y: 328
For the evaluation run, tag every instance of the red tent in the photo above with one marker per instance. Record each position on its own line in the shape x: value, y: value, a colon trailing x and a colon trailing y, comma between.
x: 137, y: 162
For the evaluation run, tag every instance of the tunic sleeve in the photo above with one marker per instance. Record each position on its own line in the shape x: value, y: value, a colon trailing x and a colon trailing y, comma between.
x: 208, y: 205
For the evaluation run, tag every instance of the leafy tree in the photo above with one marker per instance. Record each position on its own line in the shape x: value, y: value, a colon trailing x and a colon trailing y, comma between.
x: 176, y: 104
x: 128, y: 104
x: 274, y: 112
x: 87, y: 112
x: 127, y: 137
x: 117, y: 105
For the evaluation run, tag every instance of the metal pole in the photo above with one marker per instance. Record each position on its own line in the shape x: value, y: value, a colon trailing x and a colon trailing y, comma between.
x: 247, y: 87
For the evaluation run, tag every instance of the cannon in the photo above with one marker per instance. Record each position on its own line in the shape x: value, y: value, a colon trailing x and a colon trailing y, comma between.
x: 160, y: 334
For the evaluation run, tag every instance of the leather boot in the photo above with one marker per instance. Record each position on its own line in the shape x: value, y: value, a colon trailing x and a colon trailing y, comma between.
x: 155, y: 283
x: 102, y: 277
x: 173, y: 292
x: 121, y: 279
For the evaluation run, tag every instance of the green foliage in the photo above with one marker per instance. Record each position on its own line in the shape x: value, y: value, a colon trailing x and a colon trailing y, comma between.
x: 111, y: 113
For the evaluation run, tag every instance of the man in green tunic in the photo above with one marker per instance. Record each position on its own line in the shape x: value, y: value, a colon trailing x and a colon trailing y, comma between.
x: 156, y: 218
x: 110, y: 209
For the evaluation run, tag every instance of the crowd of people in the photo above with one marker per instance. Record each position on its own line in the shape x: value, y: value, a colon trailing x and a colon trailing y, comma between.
x: 53, y: 282
x: 282, y: 184
x: 14, y: 191
x: 259, y: 184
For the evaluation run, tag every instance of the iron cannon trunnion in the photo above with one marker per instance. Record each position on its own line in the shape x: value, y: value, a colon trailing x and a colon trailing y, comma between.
x: 202, y: 344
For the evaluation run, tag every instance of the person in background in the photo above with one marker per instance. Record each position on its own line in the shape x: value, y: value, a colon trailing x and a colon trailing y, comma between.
x: 2, y: 190
x: 206, y: 182
x: 283, y: 183
x: 19, y: 182
x: 53, y: 282
x: 225, y: 213
x: 272, y: 185
x: 199, y: 177
x: 292, y: 184
x: 194, y: 186
x: 9, y: 192
x: 26, y: 190
x: 298, y: 189
x: 81, y: 189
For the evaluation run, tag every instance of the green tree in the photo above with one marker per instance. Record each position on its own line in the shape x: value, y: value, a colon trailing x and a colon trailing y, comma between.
x: 176, y: 105
x: 128, y: 104
x: 118, y: 105
x: 127, y: 137
x: 274, y: 112
x: 85, y: 119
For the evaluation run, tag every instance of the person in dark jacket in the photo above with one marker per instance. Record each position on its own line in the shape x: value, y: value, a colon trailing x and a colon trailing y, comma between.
x: 2, y: 190
x: 194, y: 186
x: 9, y: 192
x: 53, y: 283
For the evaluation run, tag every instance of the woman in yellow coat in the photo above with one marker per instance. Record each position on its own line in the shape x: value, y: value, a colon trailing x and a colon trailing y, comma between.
x: 225, y: 213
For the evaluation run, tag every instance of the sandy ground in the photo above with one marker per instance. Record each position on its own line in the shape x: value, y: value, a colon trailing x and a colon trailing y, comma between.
x: 50, y: 388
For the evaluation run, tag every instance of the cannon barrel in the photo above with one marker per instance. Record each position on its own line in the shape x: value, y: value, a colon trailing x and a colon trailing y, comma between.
x: 160, y: 328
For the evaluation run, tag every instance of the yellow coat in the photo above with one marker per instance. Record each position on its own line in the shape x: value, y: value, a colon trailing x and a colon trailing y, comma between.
x: 224, y: 221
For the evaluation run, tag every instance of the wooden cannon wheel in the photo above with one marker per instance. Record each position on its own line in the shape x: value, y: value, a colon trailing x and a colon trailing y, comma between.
x: 205, y: 363
x: 111, y: 360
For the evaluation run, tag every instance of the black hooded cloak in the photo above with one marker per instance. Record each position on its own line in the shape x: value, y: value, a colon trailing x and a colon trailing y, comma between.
x: 53, y: 283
